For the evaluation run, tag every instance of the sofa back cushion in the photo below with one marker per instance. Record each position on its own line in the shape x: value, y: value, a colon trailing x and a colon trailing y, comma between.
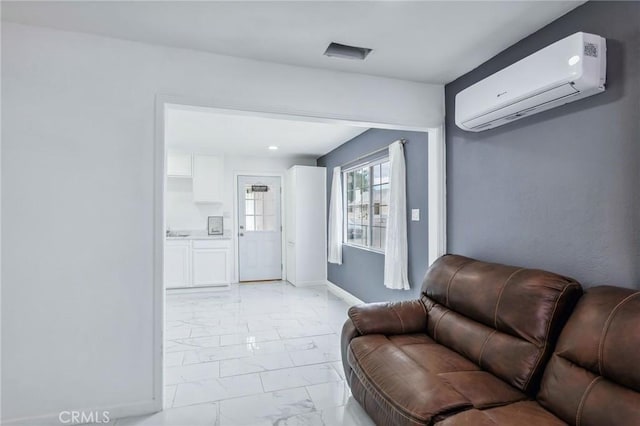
x: 593, y: 377
x: 504, y: 318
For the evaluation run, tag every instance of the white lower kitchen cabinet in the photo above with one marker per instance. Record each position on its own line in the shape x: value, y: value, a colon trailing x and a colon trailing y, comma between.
x: 206, y: 263
x: 177, y: 263
x: 211, y: 262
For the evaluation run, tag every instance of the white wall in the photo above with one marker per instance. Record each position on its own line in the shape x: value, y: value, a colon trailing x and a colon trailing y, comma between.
x: 182, y: 213
x: 78, y: 199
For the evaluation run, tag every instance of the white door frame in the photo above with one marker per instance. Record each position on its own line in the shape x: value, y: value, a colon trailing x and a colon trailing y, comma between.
x: 235, y: 219
x: 436, y: 213
x: 437, y: 184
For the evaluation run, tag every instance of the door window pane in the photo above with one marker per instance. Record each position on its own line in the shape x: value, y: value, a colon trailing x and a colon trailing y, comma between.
x: 260, y: 209
x: 249, y: 207
x: 250, y: 224
x: 258, y: 205
x: 259, y: 223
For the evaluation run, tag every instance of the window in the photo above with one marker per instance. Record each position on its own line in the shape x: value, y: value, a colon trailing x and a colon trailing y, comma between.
x: 259, y: 208
x: 366, y: 204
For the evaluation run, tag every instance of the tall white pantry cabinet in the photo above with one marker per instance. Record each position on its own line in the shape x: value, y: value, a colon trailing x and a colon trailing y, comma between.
x: 306, y: 225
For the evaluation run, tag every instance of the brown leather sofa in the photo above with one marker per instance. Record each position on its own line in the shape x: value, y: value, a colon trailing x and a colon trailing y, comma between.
x: 476, y: 349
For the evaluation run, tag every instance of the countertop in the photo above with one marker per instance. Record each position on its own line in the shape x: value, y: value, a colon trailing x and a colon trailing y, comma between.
x: 198, y: 236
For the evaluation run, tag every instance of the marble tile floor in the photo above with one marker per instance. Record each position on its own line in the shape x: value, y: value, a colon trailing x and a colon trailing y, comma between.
x: 254, y: 354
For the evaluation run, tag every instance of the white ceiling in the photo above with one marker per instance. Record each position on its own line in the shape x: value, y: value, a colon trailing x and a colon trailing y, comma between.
x: 206, y: 130
x: 432, y: 42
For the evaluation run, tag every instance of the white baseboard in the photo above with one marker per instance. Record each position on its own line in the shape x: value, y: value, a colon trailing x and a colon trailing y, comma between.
x: 308, y: 283
x: 115, y: 412
x: 198, y: 289
x: 343, y: 294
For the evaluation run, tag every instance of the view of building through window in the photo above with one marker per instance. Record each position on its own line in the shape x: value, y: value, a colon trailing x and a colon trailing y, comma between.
x: 366, y: 204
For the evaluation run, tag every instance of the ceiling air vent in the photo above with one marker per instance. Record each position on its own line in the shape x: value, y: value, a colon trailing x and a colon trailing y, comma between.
x: 344, y: 51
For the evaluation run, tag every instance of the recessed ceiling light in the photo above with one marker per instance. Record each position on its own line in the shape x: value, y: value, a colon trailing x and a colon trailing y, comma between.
x: 344, y: 51
x: 273, y: 148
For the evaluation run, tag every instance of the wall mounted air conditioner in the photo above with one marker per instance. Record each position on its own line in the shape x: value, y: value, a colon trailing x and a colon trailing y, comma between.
x: 570, y: 69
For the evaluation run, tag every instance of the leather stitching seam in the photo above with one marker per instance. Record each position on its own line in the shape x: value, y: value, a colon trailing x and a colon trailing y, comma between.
x: 605, y: 330
x: 495, y: 313
x: 393, y: 309
x: 451, y: 280
x: 435, y: 328
x: 364, y: 355
x: 483, y: 346
x: 426, y: 313
x: 353, y: 315
x: 583, y: 399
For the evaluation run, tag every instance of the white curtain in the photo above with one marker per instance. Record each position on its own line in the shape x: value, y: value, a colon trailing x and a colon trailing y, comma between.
x: 396, y: 253
x: 335, y: 218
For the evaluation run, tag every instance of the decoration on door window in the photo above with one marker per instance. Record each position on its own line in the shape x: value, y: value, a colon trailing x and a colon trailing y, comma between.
x: 258, y: 188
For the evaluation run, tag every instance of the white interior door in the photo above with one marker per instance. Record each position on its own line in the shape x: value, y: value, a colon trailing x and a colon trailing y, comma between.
x: 259, y: 228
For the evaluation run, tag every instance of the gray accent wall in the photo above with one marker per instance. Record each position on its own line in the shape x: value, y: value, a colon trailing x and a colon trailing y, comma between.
x: 362, y: 271
x: 559, y: 190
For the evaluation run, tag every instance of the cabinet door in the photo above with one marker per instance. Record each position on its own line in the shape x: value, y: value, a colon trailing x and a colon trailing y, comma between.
x: 179, y: 164
x: 208, y: 172
x: 177, y: 264
x: 211, y: 266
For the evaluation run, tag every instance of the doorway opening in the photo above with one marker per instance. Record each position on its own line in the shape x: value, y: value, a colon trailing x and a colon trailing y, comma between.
x: 221, y: 224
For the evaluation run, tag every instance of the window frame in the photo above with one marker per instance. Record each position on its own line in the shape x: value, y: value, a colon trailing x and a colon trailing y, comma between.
x: 345, y: 205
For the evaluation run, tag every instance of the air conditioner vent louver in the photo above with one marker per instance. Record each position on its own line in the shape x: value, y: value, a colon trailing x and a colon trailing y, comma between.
x: 558, y: 74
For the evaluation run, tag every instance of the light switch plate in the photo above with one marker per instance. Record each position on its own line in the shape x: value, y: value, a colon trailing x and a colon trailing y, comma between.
x: 415, y: 215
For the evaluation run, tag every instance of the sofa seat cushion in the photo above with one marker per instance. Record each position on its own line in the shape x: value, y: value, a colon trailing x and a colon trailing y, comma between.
x: 525, y: 413
x: 420, y: 380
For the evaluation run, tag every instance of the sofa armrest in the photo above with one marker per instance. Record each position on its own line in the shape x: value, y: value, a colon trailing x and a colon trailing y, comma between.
x: 389, y: 317
x: 349, y: 333
x: 381, y: 318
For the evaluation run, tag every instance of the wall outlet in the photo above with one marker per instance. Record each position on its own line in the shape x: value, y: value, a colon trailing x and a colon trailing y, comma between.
x: 415, y: 215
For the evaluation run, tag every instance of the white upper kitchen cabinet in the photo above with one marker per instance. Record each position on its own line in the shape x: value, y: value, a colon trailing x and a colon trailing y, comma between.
x: 306, y: 220
x: 208, y: 174
x: 179, y: 164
